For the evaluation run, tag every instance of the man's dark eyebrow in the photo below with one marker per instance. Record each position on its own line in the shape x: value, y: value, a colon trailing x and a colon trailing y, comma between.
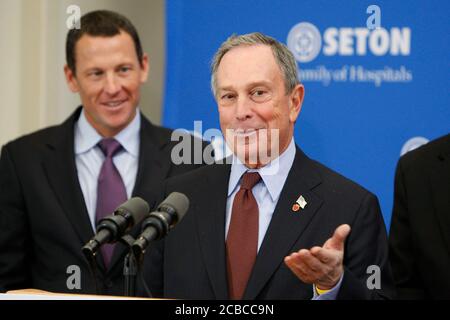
x: 92, y: 69
x: 125, y: 64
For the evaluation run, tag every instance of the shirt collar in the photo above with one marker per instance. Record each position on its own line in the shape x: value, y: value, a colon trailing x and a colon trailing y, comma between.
x: 129, y: 137
x: 86, y: 137
x: 274, y: 174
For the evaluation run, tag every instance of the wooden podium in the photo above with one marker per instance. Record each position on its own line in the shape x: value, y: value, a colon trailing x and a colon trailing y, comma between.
x: 33, y: 294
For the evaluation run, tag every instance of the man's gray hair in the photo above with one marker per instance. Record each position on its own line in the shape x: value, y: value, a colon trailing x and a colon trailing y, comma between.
x: 283, y: 57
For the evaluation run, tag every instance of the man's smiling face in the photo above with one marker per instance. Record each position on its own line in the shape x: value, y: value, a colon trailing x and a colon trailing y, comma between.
x: 256, y: 114
x: 108, y: 78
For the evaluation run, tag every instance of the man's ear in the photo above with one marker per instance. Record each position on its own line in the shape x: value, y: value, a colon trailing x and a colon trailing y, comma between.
x: 145, y: 67
x: 296, y: 101
x: 71, y: 79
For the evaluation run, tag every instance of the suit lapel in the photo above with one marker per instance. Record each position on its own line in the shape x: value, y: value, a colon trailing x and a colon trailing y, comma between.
x: 286, y: 225
x: 153, y: 162
x: 152, y: 169
x: 441, y: 192
x: 210, y: 214
x: 61, y: 172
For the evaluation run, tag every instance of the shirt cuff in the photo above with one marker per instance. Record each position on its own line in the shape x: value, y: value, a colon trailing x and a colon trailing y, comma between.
x: 330, y: 294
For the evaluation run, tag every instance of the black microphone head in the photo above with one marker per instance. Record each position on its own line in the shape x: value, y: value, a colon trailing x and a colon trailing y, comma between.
x: 178, y: 202
x: 136, y: 207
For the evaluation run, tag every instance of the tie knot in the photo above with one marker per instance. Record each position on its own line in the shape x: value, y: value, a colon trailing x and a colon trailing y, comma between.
x: 249, y: 180
x: 109, y: 146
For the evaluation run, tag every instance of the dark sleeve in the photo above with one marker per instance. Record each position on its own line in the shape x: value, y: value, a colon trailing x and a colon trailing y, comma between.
x: 366, y: 253
x: 13, y: 228
x: 409, y: 285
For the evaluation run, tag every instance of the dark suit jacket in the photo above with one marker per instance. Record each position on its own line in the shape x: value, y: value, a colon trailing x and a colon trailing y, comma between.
x: 43, y: 218
x: 420, y: 230
x: 190, y: 262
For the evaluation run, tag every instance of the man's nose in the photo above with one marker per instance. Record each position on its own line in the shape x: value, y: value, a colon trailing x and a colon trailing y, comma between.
x: 243, y: 109
x: 112, y: 85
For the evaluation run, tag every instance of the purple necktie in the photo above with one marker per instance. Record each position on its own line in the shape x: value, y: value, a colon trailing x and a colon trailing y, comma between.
x: 111, y: 190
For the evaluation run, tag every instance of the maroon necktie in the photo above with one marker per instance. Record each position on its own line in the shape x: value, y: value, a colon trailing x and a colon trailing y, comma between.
x: 242, y: 238
x: 111, y: 190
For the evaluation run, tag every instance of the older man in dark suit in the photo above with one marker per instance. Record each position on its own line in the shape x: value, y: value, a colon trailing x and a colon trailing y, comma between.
x: 272, y: 223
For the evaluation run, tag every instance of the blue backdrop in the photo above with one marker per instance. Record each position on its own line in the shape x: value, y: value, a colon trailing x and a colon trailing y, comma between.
x: 369, y: 92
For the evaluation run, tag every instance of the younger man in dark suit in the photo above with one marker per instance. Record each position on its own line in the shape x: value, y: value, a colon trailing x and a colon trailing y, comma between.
x: 57, y: 183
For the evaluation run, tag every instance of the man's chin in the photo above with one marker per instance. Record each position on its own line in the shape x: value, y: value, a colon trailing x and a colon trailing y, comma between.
x: 112, y: 126
x: 118, y: 117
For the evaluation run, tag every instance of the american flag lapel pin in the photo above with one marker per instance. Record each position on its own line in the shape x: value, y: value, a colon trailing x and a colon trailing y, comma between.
x: 299, y: 204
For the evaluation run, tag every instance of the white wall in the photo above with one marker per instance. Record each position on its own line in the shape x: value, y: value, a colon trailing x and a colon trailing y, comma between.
x: 10, y: 48
x: 32, y: 55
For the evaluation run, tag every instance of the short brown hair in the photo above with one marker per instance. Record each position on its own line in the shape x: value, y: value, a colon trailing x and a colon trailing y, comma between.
x: 102, y: 23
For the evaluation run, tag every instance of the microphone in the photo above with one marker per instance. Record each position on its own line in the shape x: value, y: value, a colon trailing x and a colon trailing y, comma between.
x: 161, y: 221
x: 111, y: 228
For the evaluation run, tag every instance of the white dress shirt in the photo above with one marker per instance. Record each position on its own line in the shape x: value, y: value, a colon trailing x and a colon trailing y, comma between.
x: 267, y: 192
x: 89, y: 158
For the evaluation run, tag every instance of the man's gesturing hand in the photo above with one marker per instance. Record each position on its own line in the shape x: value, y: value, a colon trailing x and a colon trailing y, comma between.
x: 322, y: 266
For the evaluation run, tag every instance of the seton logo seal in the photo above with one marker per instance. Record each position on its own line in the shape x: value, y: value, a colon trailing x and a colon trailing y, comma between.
x: 305, y: 41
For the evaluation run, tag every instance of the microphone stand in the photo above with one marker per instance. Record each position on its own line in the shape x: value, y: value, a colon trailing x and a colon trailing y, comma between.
x: 138, y: 254
x: 129, y: 268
